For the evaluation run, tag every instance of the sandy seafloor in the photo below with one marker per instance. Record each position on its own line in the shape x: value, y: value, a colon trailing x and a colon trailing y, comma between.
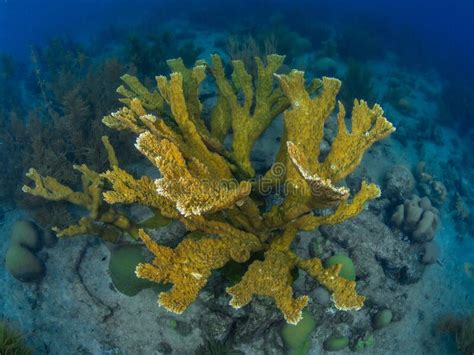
x: 62, y: 315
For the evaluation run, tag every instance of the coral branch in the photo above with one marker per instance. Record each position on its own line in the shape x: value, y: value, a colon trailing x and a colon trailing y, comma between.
x: 189, y: 266
x: 271, y: 277
x: 102, y: 220
x: 150, y: 100
x: 127, y: 189
x: 343, y: 291
x: 191, y: 188
x: 307, y: 112
x: 322, y: 191
x: 205, y: 187
x: 251, y: 117
x: 368, y: 126
x: 51, y: 189
x: 172, y: 91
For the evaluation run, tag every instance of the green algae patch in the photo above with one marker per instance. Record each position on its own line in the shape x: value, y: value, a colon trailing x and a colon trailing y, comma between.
x: 335, y: 343
x: 122, y: 265
x: 348, y: 268
x: 297, y: 338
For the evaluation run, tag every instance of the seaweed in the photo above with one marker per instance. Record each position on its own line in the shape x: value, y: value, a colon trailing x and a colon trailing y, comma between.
x: 358, y: 82
x: 11, y: 343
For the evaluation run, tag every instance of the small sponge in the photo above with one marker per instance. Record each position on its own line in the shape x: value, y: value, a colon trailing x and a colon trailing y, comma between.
x: 20, y: 260
x: 23, y: 264
x: 335, y: 343
x: 297, y: 337
x: 348, y: 268
x: 122, y: 265
x: 24, y: 233
x: 382, y: 319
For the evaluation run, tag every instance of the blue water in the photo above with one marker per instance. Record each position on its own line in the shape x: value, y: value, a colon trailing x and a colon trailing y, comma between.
x: 60, y: 63
x: 423, y: 33
x: 444, y: 28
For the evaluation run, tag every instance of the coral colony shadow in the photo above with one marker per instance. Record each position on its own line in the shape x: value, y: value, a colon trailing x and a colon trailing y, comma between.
x: 237, y: 187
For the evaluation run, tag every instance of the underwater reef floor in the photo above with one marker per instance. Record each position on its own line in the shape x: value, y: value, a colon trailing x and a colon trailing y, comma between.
x: 76, y: 309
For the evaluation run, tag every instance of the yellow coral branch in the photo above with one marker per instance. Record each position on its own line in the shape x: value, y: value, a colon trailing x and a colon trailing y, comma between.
x: 224, y: 229
x: 192, y: 79
x: 368, y: 126
x: 261, y: 104
x: 310, y: 113
x: 123, y: 119
x: 272, y: 278
x: 343, y: 291
x: 51, y: 189
x: 190, y: 186
x: 344, y: 211
x: 136, y: 90
x: 127, y: 189
x: 172, y: 91
x: 111, y: 156
x: 324, y: 193
x: 188, y: 266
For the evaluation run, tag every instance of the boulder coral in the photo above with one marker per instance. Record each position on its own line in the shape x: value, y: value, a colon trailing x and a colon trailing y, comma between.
x: 297, y: 338
x: 382, y: 319
x: 417, y: 217
x: 348, y: 270
x: 211, y: 187
x: 335, y: 343
x: 20, y: 260
x: 399, y: 183
x: 122, y: 264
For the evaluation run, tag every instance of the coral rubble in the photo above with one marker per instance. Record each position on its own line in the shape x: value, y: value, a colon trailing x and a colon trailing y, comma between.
x: 212, y: 188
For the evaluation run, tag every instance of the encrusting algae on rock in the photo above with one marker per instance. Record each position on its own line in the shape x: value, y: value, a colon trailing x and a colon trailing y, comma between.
x: 213, y: 189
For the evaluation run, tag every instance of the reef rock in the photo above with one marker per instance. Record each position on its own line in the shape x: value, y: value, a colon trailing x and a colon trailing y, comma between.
x: 375, y: 250
x: 261, y: 317
x: 434, y: 189
x: 430, y: 253
x: 398, y: 182
x: 216, y: 325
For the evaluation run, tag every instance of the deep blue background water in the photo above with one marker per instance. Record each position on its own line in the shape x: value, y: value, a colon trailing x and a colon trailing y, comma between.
x: 445, y: 28
x: 424, y: 34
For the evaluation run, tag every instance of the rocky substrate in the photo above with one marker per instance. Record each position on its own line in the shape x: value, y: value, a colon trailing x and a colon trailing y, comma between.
x: 76, y: 308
